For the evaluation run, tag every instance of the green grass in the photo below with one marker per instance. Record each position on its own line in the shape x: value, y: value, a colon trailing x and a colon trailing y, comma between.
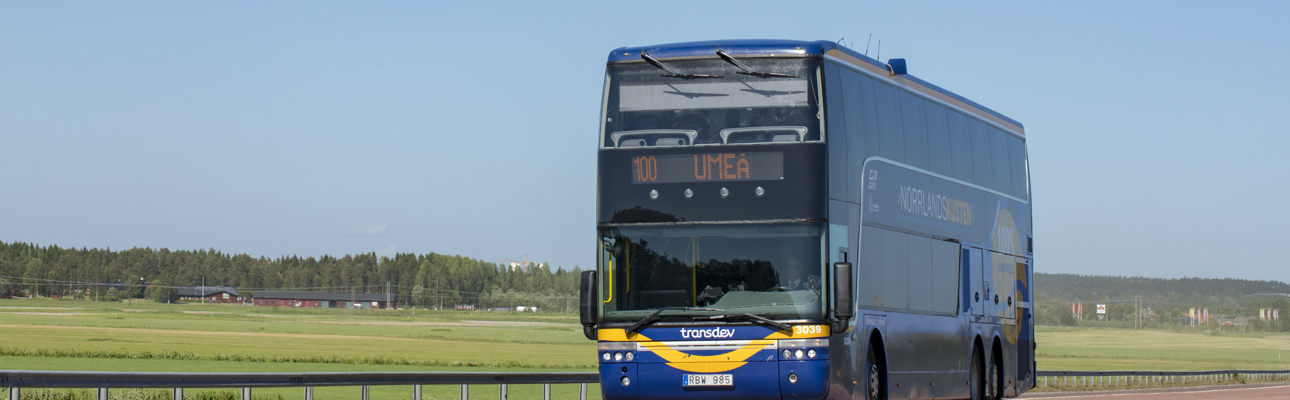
x: 1126, y: 349
x: 69, y: 335
x: 45, y: 334
x: 321, y: 393
x: 87, y: 329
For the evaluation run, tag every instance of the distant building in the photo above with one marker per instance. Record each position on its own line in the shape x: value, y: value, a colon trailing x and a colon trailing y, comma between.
x: 210, y: 294
x: 323, y: 299
x: 137, y: 291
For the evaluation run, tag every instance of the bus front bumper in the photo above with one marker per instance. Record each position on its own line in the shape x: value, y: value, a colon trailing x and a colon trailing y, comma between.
x: 751, y: 380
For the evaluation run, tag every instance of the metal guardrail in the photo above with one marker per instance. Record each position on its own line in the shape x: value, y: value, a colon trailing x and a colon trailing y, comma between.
x: 17, y: 380
x: 103, y: 381
x: 1127, y: 378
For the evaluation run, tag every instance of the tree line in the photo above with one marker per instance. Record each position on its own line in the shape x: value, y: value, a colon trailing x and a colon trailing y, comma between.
x: 423, y: 280
x: 1167, y: 300
x: 444, y: 281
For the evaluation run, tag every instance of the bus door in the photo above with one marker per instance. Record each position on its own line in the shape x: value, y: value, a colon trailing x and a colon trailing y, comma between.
x: 975, y: 271
x: 1025, y: 315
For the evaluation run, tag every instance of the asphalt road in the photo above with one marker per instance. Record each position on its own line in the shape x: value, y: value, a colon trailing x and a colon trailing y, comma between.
x: 1244, y: 392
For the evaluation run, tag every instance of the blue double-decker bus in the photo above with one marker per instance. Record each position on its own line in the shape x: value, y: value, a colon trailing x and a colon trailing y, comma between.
x: 794, y: 220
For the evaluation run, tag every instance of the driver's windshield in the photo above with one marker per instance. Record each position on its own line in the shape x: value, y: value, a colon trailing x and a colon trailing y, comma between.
x: 773, y: 270
x: 644, y: 109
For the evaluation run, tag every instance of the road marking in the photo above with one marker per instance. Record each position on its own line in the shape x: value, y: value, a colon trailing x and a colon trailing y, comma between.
x: 1155, y: 393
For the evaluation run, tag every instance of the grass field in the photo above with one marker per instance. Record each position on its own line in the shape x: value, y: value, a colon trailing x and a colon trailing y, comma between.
x: 45, y: 334
x: 1122, y: 349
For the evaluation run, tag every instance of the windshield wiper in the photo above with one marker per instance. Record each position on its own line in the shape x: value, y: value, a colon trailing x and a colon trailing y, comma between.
x: 754, y: 317
x: 750, y: 71
x: 652, y: 317
x: 672, y: 73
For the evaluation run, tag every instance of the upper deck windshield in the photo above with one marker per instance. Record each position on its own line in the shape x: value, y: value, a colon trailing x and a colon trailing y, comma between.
x: 772, y: 270
x: 644, y: 109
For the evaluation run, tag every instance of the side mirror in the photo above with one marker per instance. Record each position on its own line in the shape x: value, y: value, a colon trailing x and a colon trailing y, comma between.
x: 843, y: 308
x: 587, y: 297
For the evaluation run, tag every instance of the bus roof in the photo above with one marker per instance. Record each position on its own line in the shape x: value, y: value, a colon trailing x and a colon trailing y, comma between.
x: 819, y: 48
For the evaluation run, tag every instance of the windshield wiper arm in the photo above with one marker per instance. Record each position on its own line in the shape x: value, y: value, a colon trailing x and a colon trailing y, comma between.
x: 671, y: 72
x: 754, y: 317
x: 652, y: 317
x: 749, y: 71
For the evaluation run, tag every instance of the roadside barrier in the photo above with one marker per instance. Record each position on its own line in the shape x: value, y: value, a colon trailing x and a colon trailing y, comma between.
x: 104, y: 381
x: 178, y: 381
x: 1113, y: 379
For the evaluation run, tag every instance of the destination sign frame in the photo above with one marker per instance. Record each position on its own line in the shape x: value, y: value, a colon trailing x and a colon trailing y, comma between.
x: 708, y: 167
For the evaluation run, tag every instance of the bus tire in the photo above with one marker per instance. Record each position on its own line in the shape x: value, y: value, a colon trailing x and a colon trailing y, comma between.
x: 996, y: 373
x: 977, y: 383
x: 874, y: 373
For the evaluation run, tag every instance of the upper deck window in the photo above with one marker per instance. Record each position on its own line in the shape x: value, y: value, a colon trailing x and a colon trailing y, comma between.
x: 645, y: 109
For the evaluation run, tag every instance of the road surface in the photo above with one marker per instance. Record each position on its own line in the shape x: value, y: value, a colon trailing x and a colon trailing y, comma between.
x: 1245, y: 392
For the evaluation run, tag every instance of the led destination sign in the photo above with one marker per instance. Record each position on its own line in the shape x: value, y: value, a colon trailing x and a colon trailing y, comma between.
x: 708, y: 167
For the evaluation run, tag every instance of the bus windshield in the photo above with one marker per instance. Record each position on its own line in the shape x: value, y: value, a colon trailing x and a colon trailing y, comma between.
x: 773, y: 270
x: 645, y: 109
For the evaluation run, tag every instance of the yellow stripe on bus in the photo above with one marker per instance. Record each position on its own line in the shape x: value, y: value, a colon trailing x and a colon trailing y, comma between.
x: 714, y: 363
x: 799, y: 332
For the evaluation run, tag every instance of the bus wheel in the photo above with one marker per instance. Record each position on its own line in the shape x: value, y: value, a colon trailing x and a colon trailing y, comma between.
x: 996, y: 377
x: 873, y: 375
x: 977, y: 384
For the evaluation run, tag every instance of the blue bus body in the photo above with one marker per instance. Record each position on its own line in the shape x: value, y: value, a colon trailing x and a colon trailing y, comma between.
x: 736, y: 176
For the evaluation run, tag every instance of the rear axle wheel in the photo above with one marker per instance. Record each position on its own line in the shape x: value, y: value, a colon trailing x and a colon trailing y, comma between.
x: 977, y: 383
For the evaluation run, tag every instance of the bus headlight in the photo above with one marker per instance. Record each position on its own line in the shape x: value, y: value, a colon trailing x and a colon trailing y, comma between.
x: 798, y: 353
x: 618, y: 356
x: 605, y: 356
x: 630, y: 357
x: 810, y: 353
x: 626, y: 381
x: 787, y: 354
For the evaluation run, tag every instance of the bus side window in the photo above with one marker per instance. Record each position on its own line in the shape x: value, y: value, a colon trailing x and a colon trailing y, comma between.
x: 869, y: 273
x: 915, y: 123
x: 960, y: 147
x: 890, y: 129
x: 980, y: 154
x: 945, y: 276
x: 938, y: 139
x: 999, y: 161
x: 1017, y: 166
x: 920, y: 272
x: 895, y: 266
x: 862, y: 125
x: 837, y: 125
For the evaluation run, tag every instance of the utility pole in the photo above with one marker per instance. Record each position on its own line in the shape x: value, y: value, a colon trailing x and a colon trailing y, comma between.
x: 387, y: 294
x: 1137, y: 305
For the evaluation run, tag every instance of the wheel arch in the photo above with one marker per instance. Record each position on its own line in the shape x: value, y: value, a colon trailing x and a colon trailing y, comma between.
x: 996, y: 350
x: 879, y: 346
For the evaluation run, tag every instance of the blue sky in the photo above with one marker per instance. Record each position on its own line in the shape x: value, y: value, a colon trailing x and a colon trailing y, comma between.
x: 1157, y: 130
